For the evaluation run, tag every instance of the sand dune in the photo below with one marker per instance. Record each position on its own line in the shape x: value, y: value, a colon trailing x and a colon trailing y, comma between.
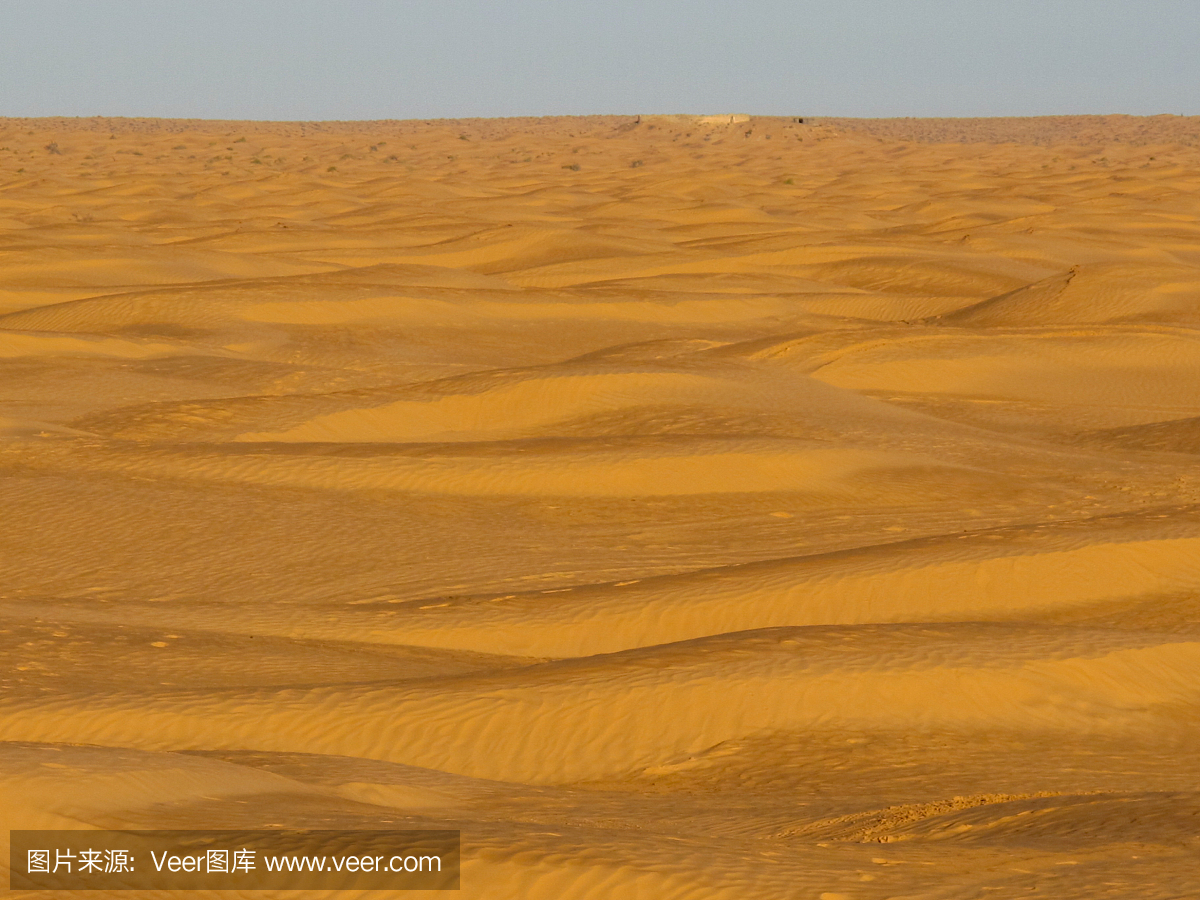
x: 1101, y: 293
x: 611, y: 715
x: 997, y: 577
x: 680, y: 506
x: 1176, y: 435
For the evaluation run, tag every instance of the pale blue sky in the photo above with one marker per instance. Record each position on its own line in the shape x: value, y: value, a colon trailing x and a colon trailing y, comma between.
x: 372, y: 59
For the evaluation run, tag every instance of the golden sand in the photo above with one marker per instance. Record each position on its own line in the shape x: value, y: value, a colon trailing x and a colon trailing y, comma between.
x: 681, y: 507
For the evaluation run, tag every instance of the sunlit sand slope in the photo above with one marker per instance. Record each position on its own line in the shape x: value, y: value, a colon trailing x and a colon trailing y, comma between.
x: 682, y: 507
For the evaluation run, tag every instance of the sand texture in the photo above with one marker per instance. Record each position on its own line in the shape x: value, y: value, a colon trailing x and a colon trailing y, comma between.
x: 681, y: 507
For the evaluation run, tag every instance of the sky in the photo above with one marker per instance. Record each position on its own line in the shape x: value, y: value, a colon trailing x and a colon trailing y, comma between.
x: 404, y: 59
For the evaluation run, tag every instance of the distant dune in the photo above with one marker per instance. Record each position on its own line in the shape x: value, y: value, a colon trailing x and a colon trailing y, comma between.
x: 682, y: 506
x: 1045, y: 131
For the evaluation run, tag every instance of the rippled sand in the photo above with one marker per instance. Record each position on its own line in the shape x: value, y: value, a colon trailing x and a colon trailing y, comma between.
x: 681, y: 507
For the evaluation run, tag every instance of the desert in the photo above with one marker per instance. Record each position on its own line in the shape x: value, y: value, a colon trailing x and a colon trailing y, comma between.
x: 677, y: 506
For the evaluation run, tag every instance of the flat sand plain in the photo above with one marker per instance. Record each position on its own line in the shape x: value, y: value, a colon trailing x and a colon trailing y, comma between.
x: 683, y: 507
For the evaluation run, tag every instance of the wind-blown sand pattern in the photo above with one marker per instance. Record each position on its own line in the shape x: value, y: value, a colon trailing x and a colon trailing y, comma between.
x: 681, y: 507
